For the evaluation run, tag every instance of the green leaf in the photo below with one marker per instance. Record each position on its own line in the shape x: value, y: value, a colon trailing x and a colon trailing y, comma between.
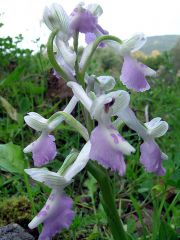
x: 11, y: 111
x: 91, y: 185
x: 14, y: 76
x: 166, y: 232
x: 94, y: 236
x: 69, y: 119
x: 68, y: 161
x: 11, y: 158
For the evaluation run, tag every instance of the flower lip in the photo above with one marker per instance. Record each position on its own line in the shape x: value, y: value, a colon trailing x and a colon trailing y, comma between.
x: 152, y: 157
x: 133, y: 74
x: 43, y: 149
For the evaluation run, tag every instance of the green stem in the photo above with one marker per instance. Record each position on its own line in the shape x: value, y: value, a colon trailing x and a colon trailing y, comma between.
x: 108, y: 201
x: 52, y: 58
x: 75, y: 43
x: 98, y: 172
x: 94, y: 47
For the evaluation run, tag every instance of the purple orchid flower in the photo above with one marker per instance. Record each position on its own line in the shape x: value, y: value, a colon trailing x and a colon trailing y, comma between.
x: 107, y: 145
x: 57, y: 213
x: 44, y: 148
x: 151, y: 154
x: 133, y: 73
x: 85, y: 20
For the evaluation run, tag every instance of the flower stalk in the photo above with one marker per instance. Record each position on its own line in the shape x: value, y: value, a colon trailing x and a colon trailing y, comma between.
x: 94, y: 47
x: 51, y: 56
x: 108, y: 201
x: 100, y: 174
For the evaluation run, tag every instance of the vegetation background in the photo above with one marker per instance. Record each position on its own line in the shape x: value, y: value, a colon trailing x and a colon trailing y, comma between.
x: 147, y: 204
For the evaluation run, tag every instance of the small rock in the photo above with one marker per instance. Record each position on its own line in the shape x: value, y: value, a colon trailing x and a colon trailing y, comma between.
x: 14, y: 232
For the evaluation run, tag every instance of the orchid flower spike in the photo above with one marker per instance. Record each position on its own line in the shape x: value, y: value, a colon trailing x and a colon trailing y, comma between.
x: 44, y: 148
x: 57, y: 213
x: 107, y: 145
x: 151, y: 154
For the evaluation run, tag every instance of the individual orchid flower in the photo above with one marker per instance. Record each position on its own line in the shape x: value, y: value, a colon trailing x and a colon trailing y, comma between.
x: 107, y: 145
x: 57, y: 213
x: 44, y: 148
x: 85, y: 20
x: 151, y: 154
x: 133, y: 73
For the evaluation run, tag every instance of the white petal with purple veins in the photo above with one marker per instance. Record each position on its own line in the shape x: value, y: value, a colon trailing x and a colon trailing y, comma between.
x: 50, y: 179
x: 153, y: 123
x: 95, y: 9
x: 156, y: 128
x: 36, y: 121
x: 55, y: 17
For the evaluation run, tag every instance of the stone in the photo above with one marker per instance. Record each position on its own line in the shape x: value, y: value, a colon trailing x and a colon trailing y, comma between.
x: 15, y: 232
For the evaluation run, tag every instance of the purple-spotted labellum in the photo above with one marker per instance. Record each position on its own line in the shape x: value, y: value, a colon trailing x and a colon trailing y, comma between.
x: 56, y: 215
x: 152, y: 157
x: 43, y: 150
x: 106, y: 146
x: 133, y: 74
